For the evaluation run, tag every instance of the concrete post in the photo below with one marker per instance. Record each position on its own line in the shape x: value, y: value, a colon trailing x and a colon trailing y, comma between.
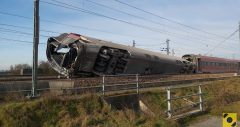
x: 35, y: 48
x: 200, y: 98
x: 137, y: 83
x: 103, y: 85
x: 169, y: 103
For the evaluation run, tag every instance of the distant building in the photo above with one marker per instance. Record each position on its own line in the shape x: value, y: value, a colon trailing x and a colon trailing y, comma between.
x: 28, y: 71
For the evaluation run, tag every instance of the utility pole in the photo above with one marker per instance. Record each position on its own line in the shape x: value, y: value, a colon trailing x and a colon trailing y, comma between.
x: 35, y: 48
x: 239, y: 31
x: 133, y: 43
x: 168, y: 48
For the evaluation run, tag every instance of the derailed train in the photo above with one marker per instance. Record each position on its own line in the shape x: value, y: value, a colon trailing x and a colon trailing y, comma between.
x: 72, y: 54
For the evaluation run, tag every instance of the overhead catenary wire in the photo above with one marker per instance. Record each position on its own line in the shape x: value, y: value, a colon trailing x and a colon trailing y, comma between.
x: 19, y: 32
x: 14, y: 31
x: 24, y: 27
x: 77, y: 26
x: 151, y: 21
x: 169, y: 20
x: 72, y: 7
x: 15, y: 40
x: 74, y: 26
x: 51, y: 21
x: 232, y: 34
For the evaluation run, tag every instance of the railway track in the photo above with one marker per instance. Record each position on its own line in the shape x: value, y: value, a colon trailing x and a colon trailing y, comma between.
x: 113, y: 82
x: 116, y: 83
x: 4, y: 78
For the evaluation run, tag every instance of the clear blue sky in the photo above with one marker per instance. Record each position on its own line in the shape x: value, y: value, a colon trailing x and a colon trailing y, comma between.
x: 220, y: 17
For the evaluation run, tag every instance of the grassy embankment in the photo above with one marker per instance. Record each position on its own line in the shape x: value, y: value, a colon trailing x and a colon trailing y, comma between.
x: 89, y: 110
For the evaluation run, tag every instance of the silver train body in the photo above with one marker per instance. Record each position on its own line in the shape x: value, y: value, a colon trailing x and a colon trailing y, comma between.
x: 75, y: 55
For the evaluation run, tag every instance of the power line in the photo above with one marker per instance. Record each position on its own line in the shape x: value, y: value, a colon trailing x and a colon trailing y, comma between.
x: 24, y: 27
x: 146, y: 19
x: 72, y: 7
x: 164, y: 18
x: 22, y: 41
x: 77, y: 26
x: 73, y: 26
x: 117, y: 10
x: 24, y: 33
x: 19, y: 32
x: 222, y: 41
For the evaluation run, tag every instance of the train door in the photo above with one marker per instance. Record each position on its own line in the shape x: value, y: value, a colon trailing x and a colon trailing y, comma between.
x: 148, y: 67
x: 238, y: 70
x: 199, y: 65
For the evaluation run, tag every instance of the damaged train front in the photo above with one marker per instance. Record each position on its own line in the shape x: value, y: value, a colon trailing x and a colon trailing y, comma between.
x: 64, y: 53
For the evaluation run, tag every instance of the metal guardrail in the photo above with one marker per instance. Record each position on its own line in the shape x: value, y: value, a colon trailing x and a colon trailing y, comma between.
x: 170, y: 99
x: 122, y: 83
x: 135, y: 82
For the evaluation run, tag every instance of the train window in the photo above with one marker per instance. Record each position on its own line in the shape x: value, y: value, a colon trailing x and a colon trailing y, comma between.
x: 156, y: 58
x: 148, y: 56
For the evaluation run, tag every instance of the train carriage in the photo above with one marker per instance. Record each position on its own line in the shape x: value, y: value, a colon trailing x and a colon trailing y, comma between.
x: 207, y: 64
x: 76, y: 54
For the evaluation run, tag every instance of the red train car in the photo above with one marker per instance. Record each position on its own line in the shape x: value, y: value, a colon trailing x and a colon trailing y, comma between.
x: 207, y: 64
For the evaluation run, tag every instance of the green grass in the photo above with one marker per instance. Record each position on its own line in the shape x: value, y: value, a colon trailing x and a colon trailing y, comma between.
x: 73, y: 111
x: 89, y: 110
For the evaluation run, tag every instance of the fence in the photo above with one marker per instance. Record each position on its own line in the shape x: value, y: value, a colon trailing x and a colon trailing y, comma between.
x: 170, y: 99
x: 123, y: 83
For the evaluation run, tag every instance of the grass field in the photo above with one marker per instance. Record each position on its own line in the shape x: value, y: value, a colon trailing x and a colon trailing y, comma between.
x: 89, y: 110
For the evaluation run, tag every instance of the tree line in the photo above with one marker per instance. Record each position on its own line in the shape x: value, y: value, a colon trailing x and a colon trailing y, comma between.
x: 43, y: 67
